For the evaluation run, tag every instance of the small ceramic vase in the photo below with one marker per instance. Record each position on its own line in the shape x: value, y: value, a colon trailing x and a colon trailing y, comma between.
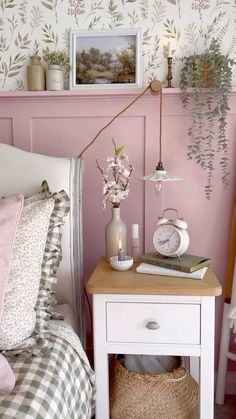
x: 36, y: 74
x: 55, y: 77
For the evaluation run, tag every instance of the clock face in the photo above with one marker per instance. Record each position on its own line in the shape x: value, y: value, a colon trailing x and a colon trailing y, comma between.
x: 167, y: 240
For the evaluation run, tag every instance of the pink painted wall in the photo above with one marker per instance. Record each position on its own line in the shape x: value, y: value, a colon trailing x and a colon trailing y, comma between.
x: 63, y: 123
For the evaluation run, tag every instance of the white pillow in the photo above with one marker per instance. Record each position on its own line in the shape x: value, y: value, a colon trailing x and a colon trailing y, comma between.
x: 18, y: 316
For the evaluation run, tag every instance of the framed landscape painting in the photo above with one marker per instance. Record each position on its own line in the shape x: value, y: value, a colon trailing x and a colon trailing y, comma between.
x: 106, y: 59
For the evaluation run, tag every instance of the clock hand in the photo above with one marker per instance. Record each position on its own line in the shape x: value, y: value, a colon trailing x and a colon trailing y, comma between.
x: 163, y: 241
x: 170, y: 238
x: 166, y: 240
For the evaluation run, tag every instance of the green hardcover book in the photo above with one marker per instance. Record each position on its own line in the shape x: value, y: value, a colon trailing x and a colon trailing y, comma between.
x: 186, y: 263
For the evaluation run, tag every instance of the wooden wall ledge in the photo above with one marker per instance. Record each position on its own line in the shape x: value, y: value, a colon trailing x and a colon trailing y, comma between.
x: 88, y: 94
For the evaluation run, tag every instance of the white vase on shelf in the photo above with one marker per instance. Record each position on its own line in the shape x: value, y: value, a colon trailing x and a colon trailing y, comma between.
x: 115, y: 235
x: 55, y: 77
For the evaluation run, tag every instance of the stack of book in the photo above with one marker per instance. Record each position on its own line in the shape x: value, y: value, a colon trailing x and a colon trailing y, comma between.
x: 187, y: 266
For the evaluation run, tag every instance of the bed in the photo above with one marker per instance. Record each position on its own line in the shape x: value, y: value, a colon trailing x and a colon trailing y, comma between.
x: 53, y: 377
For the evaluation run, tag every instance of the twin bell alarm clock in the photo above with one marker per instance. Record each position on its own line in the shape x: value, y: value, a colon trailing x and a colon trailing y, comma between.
x: 171, y: 237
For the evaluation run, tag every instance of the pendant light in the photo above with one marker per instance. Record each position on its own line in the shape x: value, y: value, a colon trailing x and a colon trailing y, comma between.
x: 160, y: 174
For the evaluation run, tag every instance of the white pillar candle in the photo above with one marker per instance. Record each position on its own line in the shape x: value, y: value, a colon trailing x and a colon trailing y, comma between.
x: 135, y: 242
x: 121, y: 252
x: 135, y: 231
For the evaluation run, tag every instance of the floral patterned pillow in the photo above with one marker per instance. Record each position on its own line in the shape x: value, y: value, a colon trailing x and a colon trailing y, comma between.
x: 18, y: 316
x: 46, y: 300
x: 10, y: 212
x: 51, y: 259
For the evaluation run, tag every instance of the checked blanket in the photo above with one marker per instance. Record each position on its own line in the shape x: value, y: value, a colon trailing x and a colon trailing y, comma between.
x: 58, y: 383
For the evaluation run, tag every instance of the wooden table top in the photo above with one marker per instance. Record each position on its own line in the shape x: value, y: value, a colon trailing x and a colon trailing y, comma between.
x: 105, y: 280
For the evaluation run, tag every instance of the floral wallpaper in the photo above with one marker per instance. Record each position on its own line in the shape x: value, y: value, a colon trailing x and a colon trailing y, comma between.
x: 29, y: 26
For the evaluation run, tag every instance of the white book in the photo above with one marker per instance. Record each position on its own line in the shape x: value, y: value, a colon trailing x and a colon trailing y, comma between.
x: 146, y: 268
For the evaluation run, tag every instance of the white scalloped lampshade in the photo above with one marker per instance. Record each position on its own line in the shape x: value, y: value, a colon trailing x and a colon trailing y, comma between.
x: 160, y: 175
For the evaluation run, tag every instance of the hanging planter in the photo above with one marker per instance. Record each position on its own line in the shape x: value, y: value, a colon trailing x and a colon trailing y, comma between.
x: 209, y: 75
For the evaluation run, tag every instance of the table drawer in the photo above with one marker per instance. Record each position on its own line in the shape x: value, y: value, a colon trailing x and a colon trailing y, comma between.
x: 153, y: 323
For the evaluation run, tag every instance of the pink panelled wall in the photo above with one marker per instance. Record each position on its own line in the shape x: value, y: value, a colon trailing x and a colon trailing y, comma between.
x: 63, y: 123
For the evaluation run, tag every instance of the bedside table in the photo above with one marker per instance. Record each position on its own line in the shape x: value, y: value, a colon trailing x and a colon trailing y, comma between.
x: 137, y: 313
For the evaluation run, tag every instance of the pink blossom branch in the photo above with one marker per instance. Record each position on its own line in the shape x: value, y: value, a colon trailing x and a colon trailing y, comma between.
x: 101, y: 170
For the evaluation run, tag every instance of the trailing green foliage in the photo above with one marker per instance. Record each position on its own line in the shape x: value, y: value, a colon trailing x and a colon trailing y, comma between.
x: 209, y: 75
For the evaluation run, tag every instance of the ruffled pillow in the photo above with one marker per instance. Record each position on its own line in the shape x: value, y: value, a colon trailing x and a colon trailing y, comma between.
x: 45, y: 300
x: 52, y: 256
x: 10, y: 212
x: 21, y: 291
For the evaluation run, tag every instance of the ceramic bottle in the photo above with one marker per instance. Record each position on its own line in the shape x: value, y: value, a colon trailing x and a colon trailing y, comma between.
x: 115, y: 235
x: 35, y: 74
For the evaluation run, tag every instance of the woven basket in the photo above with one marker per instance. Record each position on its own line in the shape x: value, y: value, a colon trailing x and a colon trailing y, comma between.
x: 169, y: 395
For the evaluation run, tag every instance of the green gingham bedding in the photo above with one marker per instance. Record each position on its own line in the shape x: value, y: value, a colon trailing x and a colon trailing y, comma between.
x: 58, y: 383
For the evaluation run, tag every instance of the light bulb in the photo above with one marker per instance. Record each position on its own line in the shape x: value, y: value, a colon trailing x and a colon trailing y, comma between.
x: 158, y: 187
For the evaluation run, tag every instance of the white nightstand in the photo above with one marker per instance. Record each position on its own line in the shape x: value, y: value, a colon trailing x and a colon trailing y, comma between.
x: 124, y: 304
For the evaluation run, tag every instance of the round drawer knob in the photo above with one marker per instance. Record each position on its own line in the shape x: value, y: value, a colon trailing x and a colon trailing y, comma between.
x: 152, y: 325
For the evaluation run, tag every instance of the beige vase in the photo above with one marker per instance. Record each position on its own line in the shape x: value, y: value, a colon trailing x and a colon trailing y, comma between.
x: 35, y: 74
x: 55, y: 77
x: 115, y: 235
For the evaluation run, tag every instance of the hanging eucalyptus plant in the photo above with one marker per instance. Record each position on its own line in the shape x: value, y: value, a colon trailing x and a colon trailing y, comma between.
x: 205, y: 81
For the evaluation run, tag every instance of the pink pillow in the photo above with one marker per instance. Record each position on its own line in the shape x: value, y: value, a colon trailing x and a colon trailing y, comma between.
x: 7, y: 378
x: 10, y: 211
